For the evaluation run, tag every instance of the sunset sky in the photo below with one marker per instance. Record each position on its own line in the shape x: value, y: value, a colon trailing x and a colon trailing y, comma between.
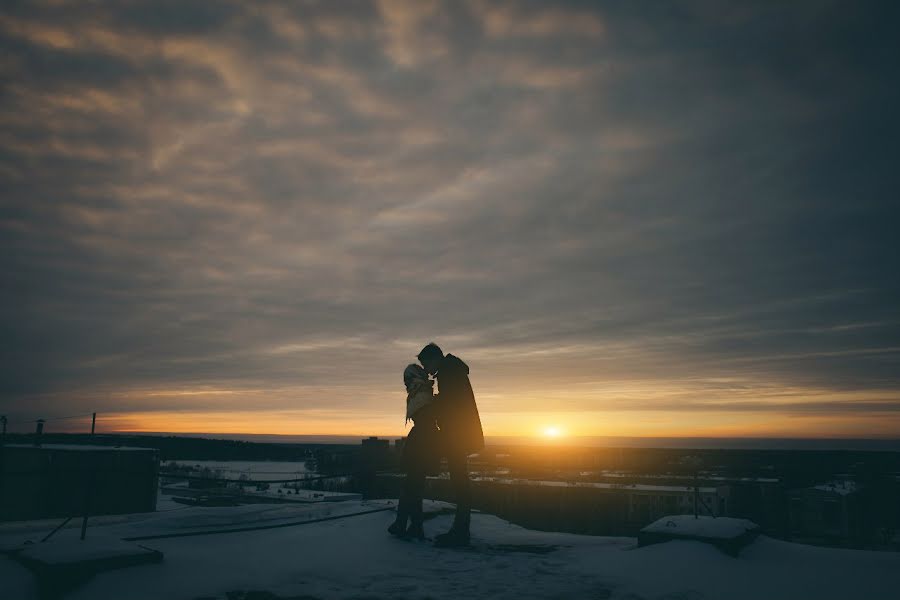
x: 634, y: 219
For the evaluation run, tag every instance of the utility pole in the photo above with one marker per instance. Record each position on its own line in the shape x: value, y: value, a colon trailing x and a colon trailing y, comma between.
x: 2, y: 452
x: 38, y: 431
x: 696, y: 494
x: 89, y: 486
x: 695, y: 462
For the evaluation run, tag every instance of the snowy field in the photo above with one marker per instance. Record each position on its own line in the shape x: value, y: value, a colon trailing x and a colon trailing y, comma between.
x: 255, y: 470
x: 353, y: 557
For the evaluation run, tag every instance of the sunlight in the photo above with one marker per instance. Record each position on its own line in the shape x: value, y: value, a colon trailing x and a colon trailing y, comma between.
x: 552, y: 431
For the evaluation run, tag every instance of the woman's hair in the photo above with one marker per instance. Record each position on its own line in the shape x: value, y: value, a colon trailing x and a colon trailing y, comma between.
x: 412, y: 372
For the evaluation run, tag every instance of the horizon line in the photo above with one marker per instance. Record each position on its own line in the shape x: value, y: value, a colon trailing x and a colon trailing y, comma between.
x: 875, y: 437
x: 869, y: 444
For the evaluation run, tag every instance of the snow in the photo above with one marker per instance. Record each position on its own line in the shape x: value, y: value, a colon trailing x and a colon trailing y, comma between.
x: 353, y: 557
x: 282, y: 493
x: 18, y: 583
x: 701, y: 526
x: 177, y: 519
x: 267, y: 472
x: 605, y: 486
x: 842, y: 488
x: 255, y: 470
x: 73, y: 550
x: 704, y: 477
x: 291, y: 495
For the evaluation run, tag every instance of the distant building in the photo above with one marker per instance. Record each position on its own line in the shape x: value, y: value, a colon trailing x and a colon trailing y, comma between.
x: 375, y: 442
x: 829, y: 511
x: 376, y: 453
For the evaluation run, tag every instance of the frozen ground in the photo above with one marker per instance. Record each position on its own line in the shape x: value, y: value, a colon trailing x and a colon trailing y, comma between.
x: 702, y: 526
x: 258, y: 470
x: 353, y: 557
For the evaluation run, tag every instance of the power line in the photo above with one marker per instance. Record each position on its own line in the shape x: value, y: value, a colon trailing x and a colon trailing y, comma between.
x: 81, y: 416
x: 255, y: 527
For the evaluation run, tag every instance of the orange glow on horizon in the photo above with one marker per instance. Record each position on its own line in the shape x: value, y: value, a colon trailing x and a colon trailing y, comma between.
x: 240, y: 422
x: 567, y: 427
x: 617, y: 409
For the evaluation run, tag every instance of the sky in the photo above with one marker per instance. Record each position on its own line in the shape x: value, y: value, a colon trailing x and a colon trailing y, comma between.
x: 627, y: 218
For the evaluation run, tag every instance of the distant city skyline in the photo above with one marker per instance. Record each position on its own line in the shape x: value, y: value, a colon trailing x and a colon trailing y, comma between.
x: 236, y: 217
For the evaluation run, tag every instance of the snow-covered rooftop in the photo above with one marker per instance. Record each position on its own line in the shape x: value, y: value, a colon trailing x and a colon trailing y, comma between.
x: 353, y: 557
x: 606, y: 486
x: 842, y: 488
x: 723, y: 478
x: 701, y: 526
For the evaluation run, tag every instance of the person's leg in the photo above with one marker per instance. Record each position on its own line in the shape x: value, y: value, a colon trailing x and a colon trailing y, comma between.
x: 398, y: 527
x: 457, y: 464
x: 407, y: 488
x: 416, y: 489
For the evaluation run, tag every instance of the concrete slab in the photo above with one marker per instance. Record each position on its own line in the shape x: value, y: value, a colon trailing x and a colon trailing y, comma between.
x: 60, y: 565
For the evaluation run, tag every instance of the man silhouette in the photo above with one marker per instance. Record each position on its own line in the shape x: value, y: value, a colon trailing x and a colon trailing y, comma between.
x: 461, y: 433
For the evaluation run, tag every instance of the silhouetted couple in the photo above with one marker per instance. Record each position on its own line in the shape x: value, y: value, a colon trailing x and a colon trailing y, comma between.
x: 445, y: 424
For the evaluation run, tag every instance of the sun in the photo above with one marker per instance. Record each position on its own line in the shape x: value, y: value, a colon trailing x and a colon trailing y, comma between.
x: 552, y: 431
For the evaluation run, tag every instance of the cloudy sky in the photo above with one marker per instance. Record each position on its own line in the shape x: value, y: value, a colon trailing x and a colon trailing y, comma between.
x: 628, y: 218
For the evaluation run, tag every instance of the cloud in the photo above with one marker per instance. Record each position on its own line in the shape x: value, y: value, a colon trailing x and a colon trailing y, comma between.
x: 511, y: 19
x: 285, y: 201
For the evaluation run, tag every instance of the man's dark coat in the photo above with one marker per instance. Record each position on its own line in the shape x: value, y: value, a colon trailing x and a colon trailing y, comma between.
x: 457, y: 414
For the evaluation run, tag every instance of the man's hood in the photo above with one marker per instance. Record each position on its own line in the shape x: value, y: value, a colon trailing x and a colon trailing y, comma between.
x: 453, y: 363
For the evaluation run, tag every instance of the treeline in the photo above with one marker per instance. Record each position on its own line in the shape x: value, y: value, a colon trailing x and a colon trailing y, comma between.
x: 182, y: 448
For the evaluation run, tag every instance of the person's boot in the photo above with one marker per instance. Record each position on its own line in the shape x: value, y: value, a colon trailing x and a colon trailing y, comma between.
x: 416, y: 530
x: 458, y: 535
x: 454, y: 538
x: 398, y: 527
